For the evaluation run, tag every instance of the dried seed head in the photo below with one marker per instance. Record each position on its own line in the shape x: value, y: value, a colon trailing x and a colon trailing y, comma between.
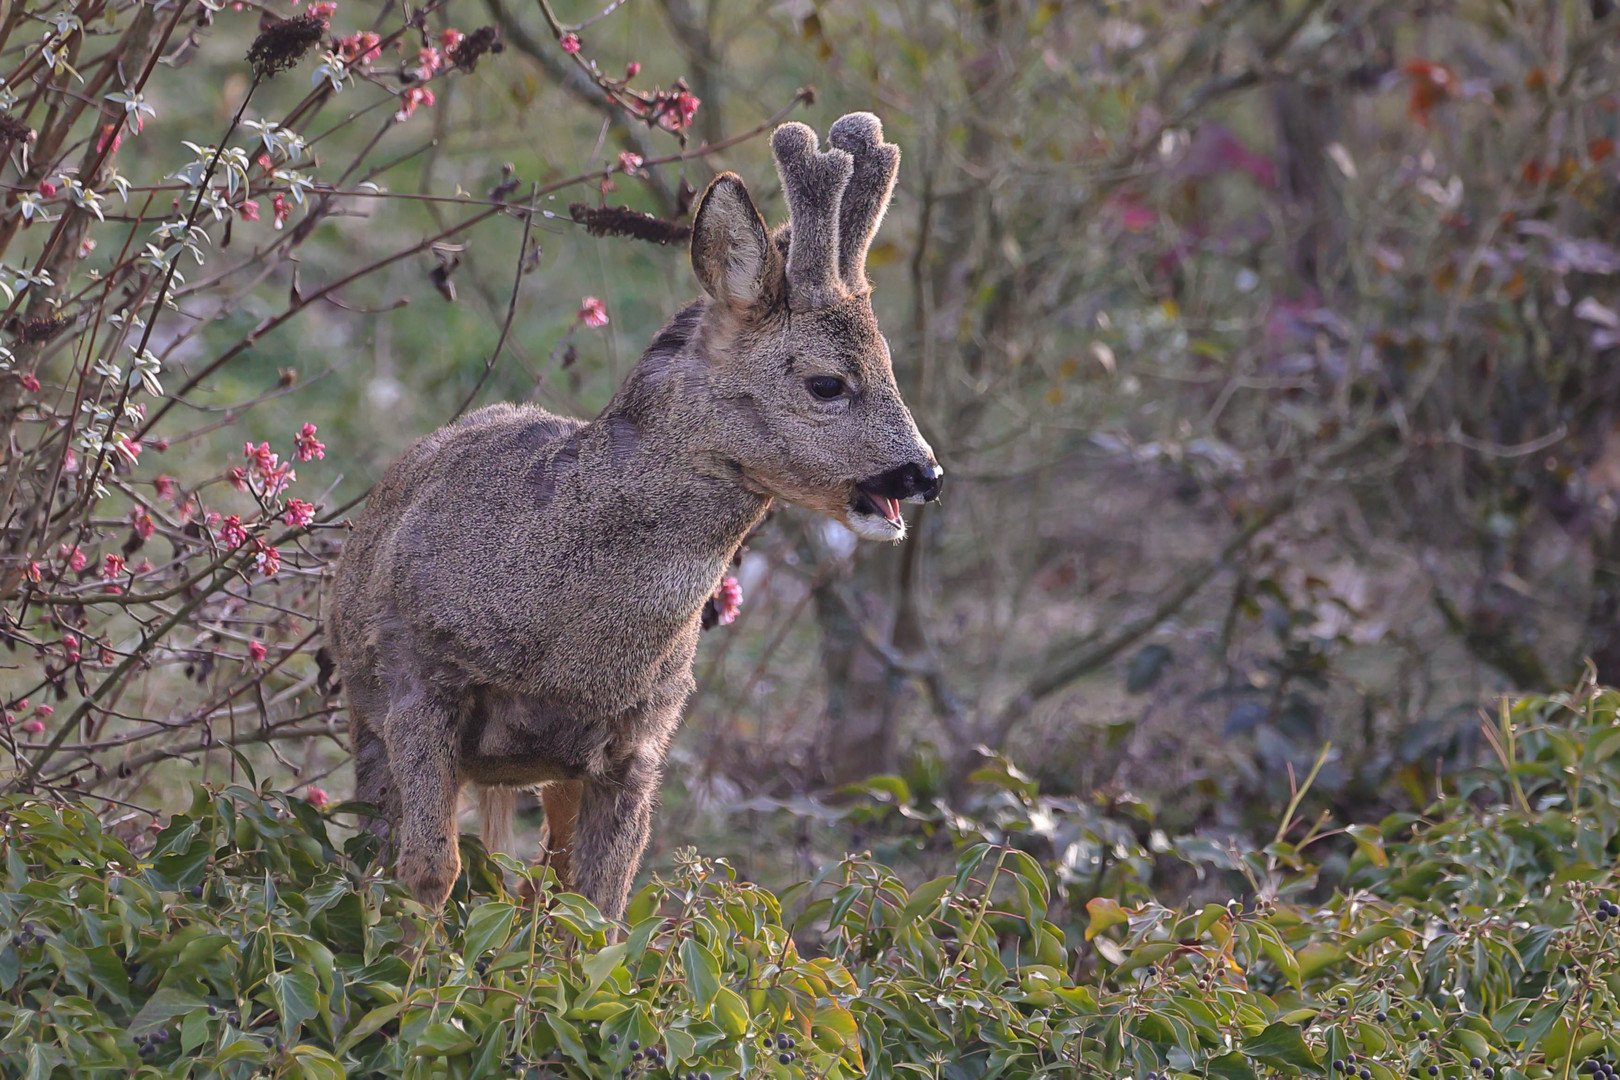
x: 13, y: 129
x: 278, y: 48
x: 623, y: 221
x: 38, y: 330
x: 467, y: 52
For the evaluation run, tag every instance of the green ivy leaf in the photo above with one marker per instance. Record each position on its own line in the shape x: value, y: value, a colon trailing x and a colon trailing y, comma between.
x: 1282, y: 1046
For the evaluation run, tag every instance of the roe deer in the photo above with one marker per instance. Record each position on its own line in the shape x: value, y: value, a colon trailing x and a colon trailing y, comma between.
x: 519, y: 604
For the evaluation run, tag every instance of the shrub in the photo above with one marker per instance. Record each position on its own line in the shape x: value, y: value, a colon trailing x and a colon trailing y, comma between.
x: 252, y: 937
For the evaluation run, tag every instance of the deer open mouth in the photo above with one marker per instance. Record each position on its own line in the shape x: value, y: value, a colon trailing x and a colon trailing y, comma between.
x: 864, y: 502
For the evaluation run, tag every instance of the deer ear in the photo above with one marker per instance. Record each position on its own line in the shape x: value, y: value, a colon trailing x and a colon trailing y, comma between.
x: 729, y: 246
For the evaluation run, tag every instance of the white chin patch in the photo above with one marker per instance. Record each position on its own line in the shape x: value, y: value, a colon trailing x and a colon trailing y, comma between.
x: 876, y: 526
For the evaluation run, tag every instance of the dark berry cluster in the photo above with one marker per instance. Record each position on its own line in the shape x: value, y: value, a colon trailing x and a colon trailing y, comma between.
x: 644, y: 1060
x: 783, y: 1044
x: 1604, y: 910
x: 27, y: 935
x: 1593, y: 1067
x: 147, y: 1044
x: 1349, y: 1069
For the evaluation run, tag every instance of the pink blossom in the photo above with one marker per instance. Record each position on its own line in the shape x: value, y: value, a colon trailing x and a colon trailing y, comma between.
x: 232, y: 534
x: 592, y: 312
x: 629, y: 162
x: 236, y: 476
x: 260, y: 459
x: 728, y: 598
x: 86, y: 246
x: 36, y: 572
x: 279, y: 205
x: 263, y: 162
x: 359, y: 48
x: 677, y: 110
x: 70, y: 641
x: 164, y: 486
x: 75, y: 558
x: 130, y: 448
x: 308, y: 445
x: 569, y: 43
x: 113, y: 567
x: 277, y: 480
x: 142, y: 523
x: 30, y: 382
x: 299, y: 513
x: 256, y: 651
x: 410, y: 99
x: 632, y: 69
x: 44, y: 710
x: 450, y: 38
x: 267, y: 560
x: 317, y: 796
x: 70, y: 460
x: 113, y: 132
x: 47, y: 189
x: 428, y: 61
x: 160, y: 444
x: 249, y: 209
x: 1133, y: 215
x: 323, y: 10
x: 33, y: 727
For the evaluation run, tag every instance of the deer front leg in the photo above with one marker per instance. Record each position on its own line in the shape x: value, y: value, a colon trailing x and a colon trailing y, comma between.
x: 420, y: 734
x: 615, y: 819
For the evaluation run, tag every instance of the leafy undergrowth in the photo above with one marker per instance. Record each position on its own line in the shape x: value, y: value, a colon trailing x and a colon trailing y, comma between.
x: 255, y: 937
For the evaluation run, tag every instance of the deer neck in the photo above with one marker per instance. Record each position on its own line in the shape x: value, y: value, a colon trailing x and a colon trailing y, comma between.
x: 663, y: 439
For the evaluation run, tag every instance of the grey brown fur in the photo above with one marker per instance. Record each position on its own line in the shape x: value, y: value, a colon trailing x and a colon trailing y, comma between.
x: 519, y: 604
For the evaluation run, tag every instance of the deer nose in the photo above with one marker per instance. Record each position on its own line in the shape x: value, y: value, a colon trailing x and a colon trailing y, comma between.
x: 929, y: 479
x: 912, y: 482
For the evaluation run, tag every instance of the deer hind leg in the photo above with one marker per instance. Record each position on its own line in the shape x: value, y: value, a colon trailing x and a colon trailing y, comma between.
x: 561, y: 800
x: 615, y: 820
x: 421, y: 741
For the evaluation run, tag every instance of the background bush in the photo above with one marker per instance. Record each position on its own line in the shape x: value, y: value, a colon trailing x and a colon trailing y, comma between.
x: 258, y: 938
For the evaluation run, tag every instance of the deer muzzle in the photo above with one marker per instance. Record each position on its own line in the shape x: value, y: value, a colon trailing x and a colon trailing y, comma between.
x: 912, y: 482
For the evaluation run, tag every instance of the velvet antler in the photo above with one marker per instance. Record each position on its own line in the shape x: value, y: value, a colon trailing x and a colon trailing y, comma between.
x: 814, y: 182
x: 877, y: 163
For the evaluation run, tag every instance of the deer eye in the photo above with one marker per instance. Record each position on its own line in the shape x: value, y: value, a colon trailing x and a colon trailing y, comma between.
x: 826, y: 387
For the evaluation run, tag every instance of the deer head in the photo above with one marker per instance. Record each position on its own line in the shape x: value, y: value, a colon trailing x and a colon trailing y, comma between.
x: 810, y: 410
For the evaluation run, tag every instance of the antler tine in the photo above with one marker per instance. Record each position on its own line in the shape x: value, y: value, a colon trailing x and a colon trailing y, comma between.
x: 814, y: 183
x: 877, y: 163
